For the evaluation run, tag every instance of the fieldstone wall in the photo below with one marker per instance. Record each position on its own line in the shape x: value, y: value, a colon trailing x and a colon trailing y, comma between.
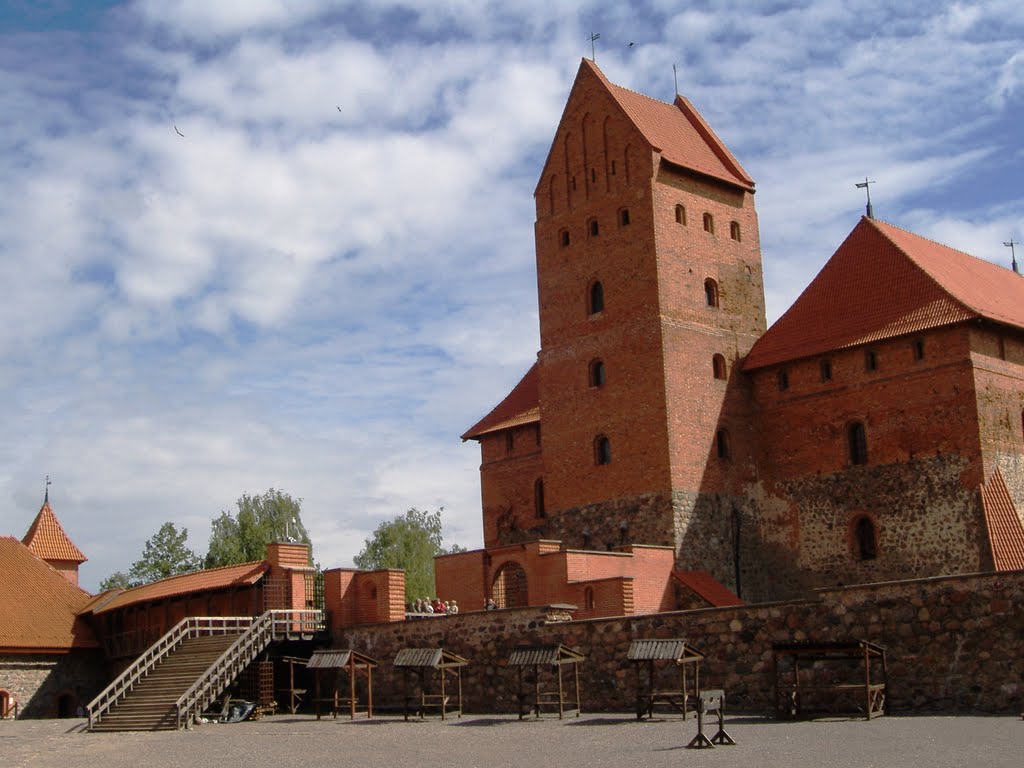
x: 954, y: 644
x: 38, y: 681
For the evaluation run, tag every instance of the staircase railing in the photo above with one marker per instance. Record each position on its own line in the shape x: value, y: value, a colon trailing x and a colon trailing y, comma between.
x: 194, y: 626
x: 272, y: 625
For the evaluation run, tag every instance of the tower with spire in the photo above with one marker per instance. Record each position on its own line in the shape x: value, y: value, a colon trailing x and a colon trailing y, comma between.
x: 48, y: 541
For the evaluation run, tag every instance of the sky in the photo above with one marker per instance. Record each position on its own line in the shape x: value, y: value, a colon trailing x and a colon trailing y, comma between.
x: 289, y: 243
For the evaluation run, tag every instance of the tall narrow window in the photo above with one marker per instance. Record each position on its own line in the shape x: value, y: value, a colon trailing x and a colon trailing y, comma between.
x: 595, y: 228
x: 858, y: 441
x: 709, y: 223
x: 624, y: 217
x: 538, y: 498
x: 782, y: 380
x: 711, y: 292
x: 563, y: 238
x: 718, y: 367
x: 870, y: 360
x: 918, y: 347
x: 867, y: 542
x: 826, y: 370
x: 588, y: 598
x: 681, y: 215
x: 722, y: 444
x: 602, y: 450
x: 734, y: 230
x: 510, y: 442
x: 597, y: 373
x: 596, y: 297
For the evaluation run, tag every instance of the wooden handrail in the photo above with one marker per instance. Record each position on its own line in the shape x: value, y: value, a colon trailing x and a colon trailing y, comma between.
x: 194, y: 626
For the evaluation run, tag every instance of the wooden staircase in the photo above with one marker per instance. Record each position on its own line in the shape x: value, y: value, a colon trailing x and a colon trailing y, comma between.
x: 151, y: 704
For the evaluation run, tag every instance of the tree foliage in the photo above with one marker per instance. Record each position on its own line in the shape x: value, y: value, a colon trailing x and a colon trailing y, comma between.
x: 411, y: 542
x: 264, y: 518
x: 165, y: 554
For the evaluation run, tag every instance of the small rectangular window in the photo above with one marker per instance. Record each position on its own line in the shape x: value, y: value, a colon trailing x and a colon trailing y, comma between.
x: 782, y: 379
x: 826, y: 370
x: 870, y: 360
x: 919, y: 349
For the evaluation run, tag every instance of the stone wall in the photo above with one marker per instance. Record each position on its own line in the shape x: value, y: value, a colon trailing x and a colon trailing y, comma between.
x: 953, y: 644
x: 38, y: 681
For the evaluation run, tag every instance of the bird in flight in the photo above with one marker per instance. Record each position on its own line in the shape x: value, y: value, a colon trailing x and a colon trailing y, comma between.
x: 179, y: 132
x: 339, y: 109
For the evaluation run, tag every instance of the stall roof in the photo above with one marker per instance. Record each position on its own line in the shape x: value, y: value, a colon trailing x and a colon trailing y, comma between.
x: 335, y: 659
x: 658, y: 650
x: 544, y: 654
x: 428, y: 657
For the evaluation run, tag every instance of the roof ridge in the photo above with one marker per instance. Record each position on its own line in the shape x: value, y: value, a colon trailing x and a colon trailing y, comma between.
x: 176, y: 576
x: 927, y: 239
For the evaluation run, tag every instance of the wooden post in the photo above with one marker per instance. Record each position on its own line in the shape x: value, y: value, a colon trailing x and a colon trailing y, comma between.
x: 576, y: 669
x: 561, y: 694
x: 316, y: 687
x: 444, y: 674
x: 369, y: 691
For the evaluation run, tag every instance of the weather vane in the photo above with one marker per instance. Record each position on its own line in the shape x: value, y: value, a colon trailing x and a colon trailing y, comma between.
x: 1013, y: 254
x: 864, y: 185
x: 46, y: 496
x: 594, y: 37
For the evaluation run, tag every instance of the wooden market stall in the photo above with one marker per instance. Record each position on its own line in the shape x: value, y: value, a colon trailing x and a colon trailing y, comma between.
x: 551, y: 658
x: 660, y: 653
x: 425, y: 663
x: 350, y: 663
x: 823, y: 674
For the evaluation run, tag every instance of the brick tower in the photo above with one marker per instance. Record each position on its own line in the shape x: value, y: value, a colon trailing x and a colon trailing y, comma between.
x: 650, y: 291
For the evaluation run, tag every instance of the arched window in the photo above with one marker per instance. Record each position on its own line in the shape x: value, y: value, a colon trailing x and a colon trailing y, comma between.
x: 538, y: 498
x: 681, y: 215
x: 602, y: 450
x: 596, y: 298
x: 734, y: 230
x: 858, y: 441
x: 865, y: 538
x: 718, y: 366
x: 509, y: 588
x: 5, y: 704
x: 709, y: 223
x: 588, y: 599
x: 711, y: 292
x: 722, y: 444
x: 597, y: 373
x: 595, y: 228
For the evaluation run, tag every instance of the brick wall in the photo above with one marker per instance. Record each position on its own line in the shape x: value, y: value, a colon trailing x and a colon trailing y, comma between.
x: 363, y: 597
x: 953, y: 645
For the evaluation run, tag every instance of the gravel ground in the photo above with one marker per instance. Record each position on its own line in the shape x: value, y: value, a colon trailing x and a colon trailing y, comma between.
x: 593, y: 741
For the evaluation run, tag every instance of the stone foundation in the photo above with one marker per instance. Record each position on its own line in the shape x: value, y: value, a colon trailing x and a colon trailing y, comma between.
x: 39, y: 681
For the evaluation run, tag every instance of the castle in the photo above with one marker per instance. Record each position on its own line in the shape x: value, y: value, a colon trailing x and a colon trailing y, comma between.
x: 667, y: 450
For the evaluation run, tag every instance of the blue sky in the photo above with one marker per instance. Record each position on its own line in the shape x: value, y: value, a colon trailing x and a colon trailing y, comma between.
x: 330, y: 274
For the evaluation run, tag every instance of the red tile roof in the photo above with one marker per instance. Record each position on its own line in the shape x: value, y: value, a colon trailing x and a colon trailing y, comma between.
x: 1005, y: 532
x: 520, y: 406
x: 708, y: 588
x: 189, y: 583
x: 677, y: 131
x: 47, y: 540
x: 39, y: 606
x: 884, y: 282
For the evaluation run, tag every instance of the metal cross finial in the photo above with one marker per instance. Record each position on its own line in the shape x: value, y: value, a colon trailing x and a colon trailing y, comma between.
x: 864, y: 185
x: 594, y: 37
x: 1013, y: 253
x: 46, y: 496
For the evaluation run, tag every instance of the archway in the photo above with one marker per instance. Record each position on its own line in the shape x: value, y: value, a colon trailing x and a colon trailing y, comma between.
x: 509, y: 586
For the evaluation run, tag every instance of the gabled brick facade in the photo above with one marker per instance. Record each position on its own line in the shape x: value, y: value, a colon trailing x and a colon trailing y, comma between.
x: 661, y: 412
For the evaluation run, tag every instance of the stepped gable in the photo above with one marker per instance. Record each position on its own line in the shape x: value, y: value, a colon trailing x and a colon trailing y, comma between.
x: 885, y: 282
x: 48, y: 541
x: 676, y: 131
x: 1005, y: 532
x: 39, y: 606
x: 188, y: 583
x: 520, y: 406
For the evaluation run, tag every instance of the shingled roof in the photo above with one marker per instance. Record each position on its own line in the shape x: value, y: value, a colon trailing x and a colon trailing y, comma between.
x: 1005, y: 532
x: 39, y: 606
x: 520, y: 406
x: 885, y: 282
x: 47, y: 539
x: 226, y: 577
x: 676, y: 131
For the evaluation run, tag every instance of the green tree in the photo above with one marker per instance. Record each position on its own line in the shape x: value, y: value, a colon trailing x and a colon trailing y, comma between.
x: 411, y: 542
x: 243, y: 537
x: 165, y: 554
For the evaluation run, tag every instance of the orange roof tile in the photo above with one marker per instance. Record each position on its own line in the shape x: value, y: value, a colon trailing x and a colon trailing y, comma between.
x: 39, y: 606
x: 1005, y: 532
x: 678, y: 132
x: 47, y: 540
x: 884, y: 282
x: 188, y: 583
x: 520, y: 406
x: 708, y: 588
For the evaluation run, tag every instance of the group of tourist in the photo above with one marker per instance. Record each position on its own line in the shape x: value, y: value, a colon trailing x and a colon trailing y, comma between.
x: 426, y: 605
